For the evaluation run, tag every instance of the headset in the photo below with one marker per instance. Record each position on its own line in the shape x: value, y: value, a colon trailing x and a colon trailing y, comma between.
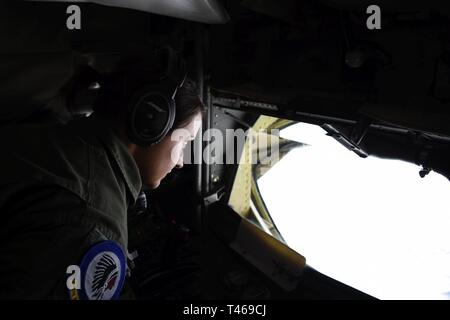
x: 146, y: 89
x: 151, y: 108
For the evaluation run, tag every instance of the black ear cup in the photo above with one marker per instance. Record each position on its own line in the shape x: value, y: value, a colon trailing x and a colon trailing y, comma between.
x: 151, y: 109
x: 151, y: 116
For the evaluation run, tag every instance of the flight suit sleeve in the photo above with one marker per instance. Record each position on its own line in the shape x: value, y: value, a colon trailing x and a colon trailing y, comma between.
x: 46, y: 229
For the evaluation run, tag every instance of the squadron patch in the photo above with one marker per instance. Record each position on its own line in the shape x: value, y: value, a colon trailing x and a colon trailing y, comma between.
x: 103, y: 271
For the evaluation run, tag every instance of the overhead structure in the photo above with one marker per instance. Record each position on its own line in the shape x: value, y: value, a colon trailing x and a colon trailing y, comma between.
x: 205, y: 11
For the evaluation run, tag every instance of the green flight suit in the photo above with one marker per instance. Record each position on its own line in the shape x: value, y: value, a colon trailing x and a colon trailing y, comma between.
x: 63, y: 188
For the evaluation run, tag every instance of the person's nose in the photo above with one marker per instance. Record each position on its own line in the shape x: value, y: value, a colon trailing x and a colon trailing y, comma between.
x: 179, y: 164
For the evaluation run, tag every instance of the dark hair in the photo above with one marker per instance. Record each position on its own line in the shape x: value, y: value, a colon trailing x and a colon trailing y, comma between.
x: 188, y: 104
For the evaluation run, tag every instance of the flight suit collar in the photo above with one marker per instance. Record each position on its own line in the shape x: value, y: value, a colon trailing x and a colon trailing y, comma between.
x: 126, y: 163
x: 117, y: 149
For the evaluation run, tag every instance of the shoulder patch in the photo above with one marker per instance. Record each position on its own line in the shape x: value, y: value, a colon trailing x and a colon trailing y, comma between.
x: 103, y: 269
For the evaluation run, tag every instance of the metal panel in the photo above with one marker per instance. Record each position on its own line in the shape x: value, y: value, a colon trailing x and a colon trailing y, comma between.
x: 206, y: 11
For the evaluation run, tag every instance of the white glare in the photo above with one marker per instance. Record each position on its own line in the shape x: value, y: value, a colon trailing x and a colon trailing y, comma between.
x: 371, y: 223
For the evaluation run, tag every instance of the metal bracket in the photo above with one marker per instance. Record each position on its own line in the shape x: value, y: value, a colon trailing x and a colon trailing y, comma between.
x: 346, y: 142
x: 424, y: 160
x: 360, y: 130
x: 214, y: 197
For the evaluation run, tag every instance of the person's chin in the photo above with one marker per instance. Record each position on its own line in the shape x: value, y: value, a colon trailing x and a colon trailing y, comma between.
x: 153, y: 184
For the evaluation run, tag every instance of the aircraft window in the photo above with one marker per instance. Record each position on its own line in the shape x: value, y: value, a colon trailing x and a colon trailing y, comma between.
x: 370, y: 223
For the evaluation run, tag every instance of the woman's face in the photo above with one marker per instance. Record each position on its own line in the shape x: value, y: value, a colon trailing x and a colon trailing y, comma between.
x: 156, y: 161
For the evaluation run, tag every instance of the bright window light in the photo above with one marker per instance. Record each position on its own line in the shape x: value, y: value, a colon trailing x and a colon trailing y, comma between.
x: 371, y: 223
